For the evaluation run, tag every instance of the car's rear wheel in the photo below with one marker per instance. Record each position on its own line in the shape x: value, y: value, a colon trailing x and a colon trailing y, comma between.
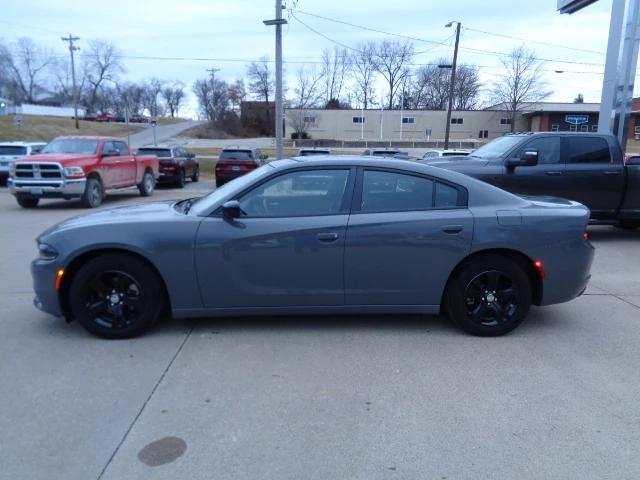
x: 26, y: 201
x: 93, y: 193
x: 181, y: 179
x: 116, y: 296
x: 219, y: 182
x: 196, y: 174
x: 147, y: 185
x: 489, y: 296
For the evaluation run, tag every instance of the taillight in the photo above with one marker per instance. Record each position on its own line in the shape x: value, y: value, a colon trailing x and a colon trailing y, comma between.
x: 585, y: 235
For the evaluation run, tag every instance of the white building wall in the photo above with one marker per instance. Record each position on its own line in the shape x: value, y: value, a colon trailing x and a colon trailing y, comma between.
x: 28, y: 109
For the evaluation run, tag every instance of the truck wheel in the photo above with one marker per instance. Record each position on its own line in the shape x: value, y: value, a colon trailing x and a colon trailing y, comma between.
x: 196, y: 174
x: 181, y: 179
x: 489, y: 296
x: 27, y: 202
x: 116, y: 296
x: 147, y: 185
x: 93, y: 193
x: 219, y: 182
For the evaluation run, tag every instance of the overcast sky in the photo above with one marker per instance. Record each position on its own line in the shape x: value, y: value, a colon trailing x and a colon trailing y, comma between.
x: 230, y: 33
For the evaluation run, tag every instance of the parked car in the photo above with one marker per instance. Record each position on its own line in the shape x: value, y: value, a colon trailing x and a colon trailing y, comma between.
x: 81, y: 167
x: 437, y: 153
x: 585, y: 167
x: 106, y: 117
x: 12, y: 151
x: 235, y: 162
x: 308, y: 152
x: 175, y: 164
x: 383, y: 152
x: 375, y: 236
x: 138, y: 119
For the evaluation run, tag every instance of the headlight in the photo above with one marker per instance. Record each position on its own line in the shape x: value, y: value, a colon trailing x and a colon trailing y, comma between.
x: 73, y: 172
x: 47, y: 252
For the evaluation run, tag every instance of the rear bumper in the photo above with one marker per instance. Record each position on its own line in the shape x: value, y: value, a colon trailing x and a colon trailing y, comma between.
x: 54, y: 188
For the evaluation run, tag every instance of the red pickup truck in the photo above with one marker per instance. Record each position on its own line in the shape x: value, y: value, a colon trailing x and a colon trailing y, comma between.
x: 81, y: 167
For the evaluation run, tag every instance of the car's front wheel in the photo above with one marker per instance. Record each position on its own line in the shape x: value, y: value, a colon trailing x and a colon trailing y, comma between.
x: 93, y: 193
x: 116, y: 296
x: 489, y: 296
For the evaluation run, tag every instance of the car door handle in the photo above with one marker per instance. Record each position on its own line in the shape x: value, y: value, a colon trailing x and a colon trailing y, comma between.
x: 554, y: 173
x: 612, y: 173
x: 328, y: 237
x: 452, y: 229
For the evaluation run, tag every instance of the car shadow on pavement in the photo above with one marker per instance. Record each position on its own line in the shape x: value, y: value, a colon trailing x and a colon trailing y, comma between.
x: 612, y: 234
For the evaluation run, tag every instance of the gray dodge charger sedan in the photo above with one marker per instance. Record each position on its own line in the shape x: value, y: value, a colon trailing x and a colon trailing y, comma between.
x: 326, y: 235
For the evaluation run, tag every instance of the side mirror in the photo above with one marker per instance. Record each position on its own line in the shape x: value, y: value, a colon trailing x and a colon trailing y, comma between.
x: 263, y: 156
x: 529, y: 158
x: 633, y: 161
x: 231, y: 209
x: 191, y: 155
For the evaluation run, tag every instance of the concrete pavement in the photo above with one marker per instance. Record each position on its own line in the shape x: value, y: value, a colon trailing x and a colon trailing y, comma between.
x: 375, y: 397
x: 163, y: 133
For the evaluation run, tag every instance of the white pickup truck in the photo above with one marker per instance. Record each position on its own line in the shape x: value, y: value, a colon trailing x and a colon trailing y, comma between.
x: 12, y: 151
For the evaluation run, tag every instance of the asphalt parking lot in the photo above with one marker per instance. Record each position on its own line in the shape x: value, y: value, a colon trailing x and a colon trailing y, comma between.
x: 320, y: 398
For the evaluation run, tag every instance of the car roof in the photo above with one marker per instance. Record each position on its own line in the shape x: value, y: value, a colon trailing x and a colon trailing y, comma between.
x: 162, y: 145
x: 89, y: 137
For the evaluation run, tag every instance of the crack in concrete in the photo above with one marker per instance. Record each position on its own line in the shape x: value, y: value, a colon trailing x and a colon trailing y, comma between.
x: 153, y: 391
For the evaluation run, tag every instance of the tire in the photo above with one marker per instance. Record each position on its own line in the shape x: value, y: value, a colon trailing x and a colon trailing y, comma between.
x: 181, y: 179
x: 93, y: 193
x: 116, y: 296
x: 196, y: 174
x: 219, y: 182
x: 489, y: 296
x: 27, y: 202
x: 147, y: 185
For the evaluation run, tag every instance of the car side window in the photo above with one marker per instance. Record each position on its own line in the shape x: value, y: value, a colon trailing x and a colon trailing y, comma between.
x: 107, y: 147
x: 446, y: 196
x: 588, y: 150
x: 122, y: 148
x: 390, y: 191
x: 548, y: 149
x: 296, y: 194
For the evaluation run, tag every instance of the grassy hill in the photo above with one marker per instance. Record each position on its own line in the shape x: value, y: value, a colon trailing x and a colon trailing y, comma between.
x: 45, y: 128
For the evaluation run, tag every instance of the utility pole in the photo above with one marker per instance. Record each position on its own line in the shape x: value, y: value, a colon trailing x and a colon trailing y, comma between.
x: 278, y: 22
x: 73, y: 48
x: 213, y: 71
x: 453, y: 83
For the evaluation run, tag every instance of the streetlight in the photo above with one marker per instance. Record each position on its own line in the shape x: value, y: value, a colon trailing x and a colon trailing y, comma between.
x: 453, y: 81
x: 278, y: 22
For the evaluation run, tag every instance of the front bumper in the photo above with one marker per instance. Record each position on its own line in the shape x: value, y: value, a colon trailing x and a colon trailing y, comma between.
x: 43, y: 274
x: 45, y: 188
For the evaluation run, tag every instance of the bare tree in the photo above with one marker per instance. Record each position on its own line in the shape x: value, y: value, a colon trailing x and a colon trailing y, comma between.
x: 212, y: 98
x: 579, y: 98
x: 307, y: 88
x: 431, y: 87
x: 237, y: 93
x: 130, y: 98
x: 102, y: 65
x: 521, y: 82
x: 466, y: 91
x: 25, y: 64
x: 173, y: 96
x: 260, y: 78
x: 364, y: 69
x: 151, y: 97
x: 335, y: 66
x: 392, y: 60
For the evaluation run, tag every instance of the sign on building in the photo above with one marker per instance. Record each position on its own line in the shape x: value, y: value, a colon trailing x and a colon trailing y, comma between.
x: 576, y: 119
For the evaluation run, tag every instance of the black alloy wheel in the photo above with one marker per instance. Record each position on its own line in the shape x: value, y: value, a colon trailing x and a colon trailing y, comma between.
x: 116, y: 296
x: 489, y: 295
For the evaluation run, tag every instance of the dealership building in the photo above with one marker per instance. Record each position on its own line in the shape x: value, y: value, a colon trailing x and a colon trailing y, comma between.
x: 466, y: 125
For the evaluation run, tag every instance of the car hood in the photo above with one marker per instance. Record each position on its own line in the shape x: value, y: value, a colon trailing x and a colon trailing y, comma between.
x: 457, y: 163
x: 138, y: 213
x: 62, y: 158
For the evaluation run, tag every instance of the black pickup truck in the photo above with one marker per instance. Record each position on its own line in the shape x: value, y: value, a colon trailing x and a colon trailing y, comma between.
x: 585, y: 167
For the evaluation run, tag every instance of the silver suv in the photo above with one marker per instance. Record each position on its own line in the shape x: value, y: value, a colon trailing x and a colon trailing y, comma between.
x: 12, y: 151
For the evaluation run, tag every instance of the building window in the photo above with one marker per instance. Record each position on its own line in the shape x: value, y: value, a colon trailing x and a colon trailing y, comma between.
x: 408, y: 119
x: 555, y: 127
x: 310, y: 120
x: 357, y: 119
x: 505, y: 121
x: 573, y: 128
x: 584, y: 128
x: 594, y: 128
x: 483, y: 134
x: 458, y: 120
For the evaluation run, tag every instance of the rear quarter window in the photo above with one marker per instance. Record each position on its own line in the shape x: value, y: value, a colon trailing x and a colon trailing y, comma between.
x: 588, y: 150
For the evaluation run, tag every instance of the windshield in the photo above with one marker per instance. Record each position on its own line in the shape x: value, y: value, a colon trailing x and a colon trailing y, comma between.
x: 158, y: 152
x: 236, y: 155
x: 72, y: 145
x: 455, y: 154
x: 220, y: 193
x: 12, y: 150
x: 497, y: 147
x: 385, y: 153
